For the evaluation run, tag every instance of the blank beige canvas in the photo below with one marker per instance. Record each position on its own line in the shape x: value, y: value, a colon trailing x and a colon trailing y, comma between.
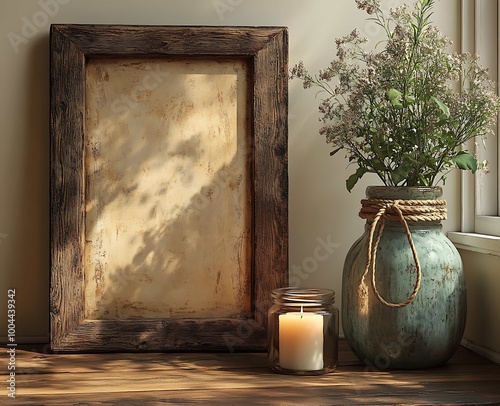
x: 168, y: 196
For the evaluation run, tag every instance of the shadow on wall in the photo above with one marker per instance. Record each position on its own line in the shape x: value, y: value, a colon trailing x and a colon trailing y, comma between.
x: 168, y: 229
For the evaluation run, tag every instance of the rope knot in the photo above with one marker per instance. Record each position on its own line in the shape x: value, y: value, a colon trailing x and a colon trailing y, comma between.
x: 411, y: 210
x: 380, y: 210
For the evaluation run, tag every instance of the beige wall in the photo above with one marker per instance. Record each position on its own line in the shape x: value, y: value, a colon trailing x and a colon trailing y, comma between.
x: 482, y: 276
x: 321, y: 210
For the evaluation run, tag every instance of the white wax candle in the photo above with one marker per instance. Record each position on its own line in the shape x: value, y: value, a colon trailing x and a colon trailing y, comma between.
x: 301, y: 341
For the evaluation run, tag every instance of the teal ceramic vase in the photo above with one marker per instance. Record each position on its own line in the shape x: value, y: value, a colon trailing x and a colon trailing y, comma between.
x: 403, y: 326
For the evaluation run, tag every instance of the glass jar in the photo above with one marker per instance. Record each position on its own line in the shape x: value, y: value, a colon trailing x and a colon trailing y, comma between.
x: 303, y: 331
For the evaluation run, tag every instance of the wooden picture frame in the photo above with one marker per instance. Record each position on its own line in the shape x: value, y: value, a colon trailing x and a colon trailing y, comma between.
x: 261, y: 54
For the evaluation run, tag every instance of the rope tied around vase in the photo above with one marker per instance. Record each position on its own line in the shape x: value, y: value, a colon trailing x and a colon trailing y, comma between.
x: 380, y: 210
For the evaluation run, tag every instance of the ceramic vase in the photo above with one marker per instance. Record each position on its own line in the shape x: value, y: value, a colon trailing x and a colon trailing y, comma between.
x: 424, y: 333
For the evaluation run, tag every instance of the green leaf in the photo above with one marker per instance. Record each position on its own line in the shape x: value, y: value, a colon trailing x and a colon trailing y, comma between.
x: 465, y: 161
x: 335, y: 151
x: 409, y: 100
x: 394, y: 96
x: 378, y: 165
x: 399, y: 174
x: 353, y: 179
x: 443, y: 107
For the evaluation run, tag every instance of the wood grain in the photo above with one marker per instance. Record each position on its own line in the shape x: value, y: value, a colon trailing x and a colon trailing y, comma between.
x: 67, y: 106
x: 266, y: 50
x: 243, y: 378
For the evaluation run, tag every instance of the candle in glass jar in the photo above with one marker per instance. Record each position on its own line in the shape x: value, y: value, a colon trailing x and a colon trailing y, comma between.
x: 301, y: 341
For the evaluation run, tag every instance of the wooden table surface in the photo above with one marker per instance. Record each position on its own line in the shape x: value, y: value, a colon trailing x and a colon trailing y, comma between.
x: 238, y: 379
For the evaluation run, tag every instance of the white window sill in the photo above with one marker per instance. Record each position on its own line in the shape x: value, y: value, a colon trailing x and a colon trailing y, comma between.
x: 486, y: 244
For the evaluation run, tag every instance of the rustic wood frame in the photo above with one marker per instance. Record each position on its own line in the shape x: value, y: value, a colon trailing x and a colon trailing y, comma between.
x: 71, y: 45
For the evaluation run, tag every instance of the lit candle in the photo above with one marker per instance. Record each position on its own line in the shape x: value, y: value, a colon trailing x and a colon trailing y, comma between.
x: 301, y: 341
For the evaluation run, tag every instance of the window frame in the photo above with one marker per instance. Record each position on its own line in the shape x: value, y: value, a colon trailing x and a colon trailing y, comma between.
x: 481, y: 208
